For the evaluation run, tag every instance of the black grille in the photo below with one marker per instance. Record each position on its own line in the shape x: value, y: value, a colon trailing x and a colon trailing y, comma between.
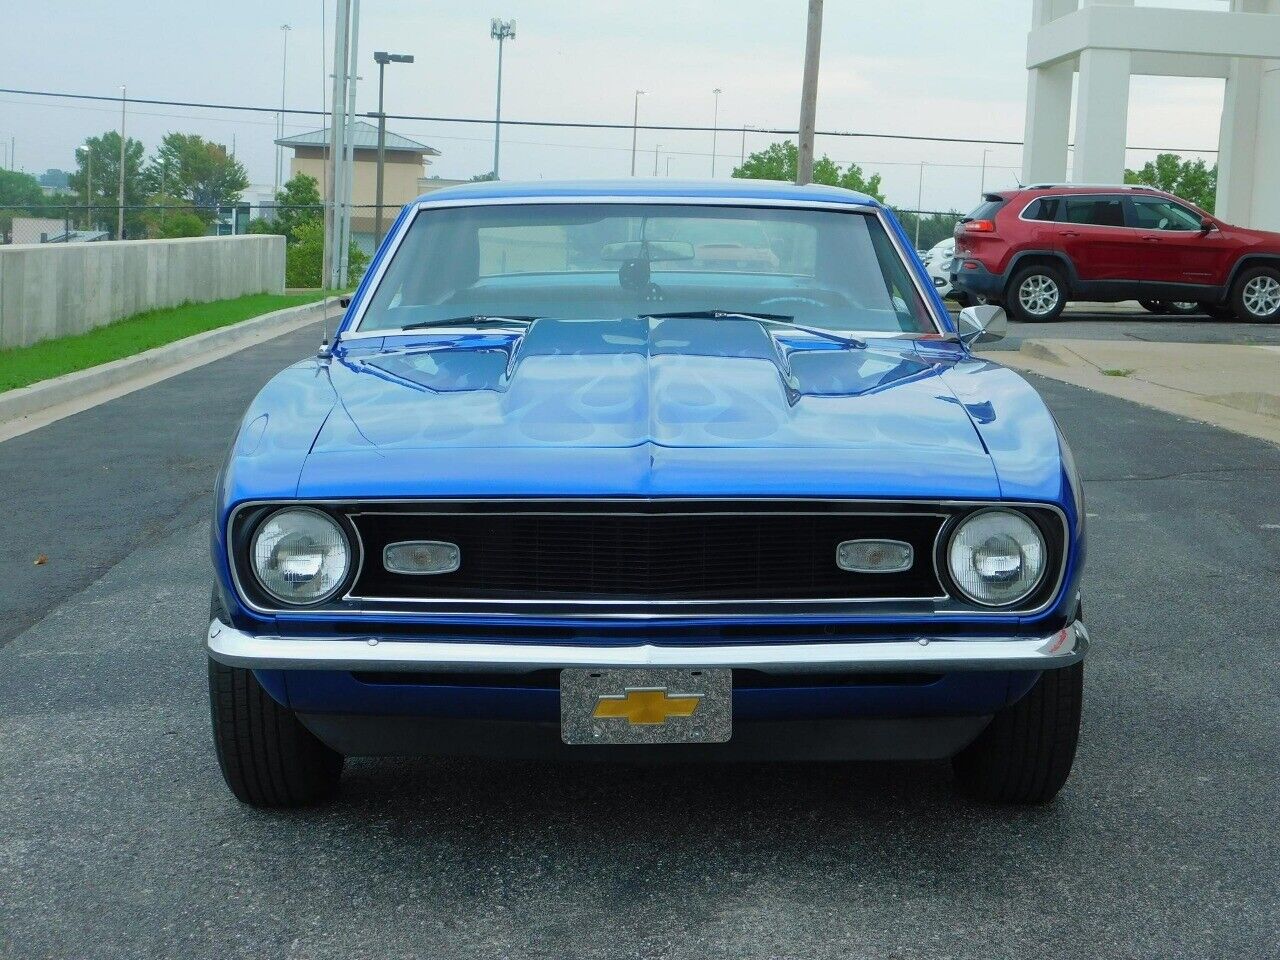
x: 648, y: 554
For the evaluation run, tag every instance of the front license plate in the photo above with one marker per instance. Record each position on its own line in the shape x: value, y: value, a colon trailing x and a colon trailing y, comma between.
x: 646, y: 706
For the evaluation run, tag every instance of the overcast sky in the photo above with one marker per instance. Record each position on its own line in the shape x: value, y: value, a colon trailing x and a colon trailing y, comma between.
x: 936, y: 67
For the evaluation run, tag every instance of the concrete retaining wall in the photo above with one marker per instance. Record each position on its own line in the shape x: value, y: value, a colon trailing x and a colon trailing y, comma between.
x: 53, y: 290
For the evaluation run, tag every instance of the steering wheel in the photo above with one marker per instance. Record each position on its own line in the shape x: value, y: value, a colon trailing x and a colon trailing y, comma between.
x: 780, y: 301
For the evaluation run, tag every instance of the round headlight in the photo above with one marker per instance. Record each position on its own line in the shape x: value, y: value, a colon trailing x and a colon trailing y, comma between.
x: 996, y: 557
x: 300, y: 556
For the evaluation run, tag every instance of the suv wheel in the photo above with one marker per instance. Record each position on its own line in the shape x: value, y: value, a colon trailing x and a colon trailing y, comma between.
x: 1256, y: 295
x: 1181, y: 307
x: 1025, y: 753
x: 1036, y: 295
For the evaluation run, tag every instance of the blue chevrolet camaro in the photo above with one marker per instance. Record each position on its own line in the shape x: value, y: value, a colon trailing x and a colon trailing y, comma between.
x: 645, y: 469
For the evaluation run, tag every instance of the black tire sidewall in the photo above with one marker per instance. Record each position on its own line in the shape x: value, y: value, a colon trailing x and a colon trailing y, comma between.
x: 1013, y: 305
x: 1237, y: 295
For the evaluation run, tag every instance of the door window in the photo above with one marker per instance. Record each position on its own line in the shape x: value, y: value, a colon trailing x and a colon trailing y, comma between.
x: 1091, y: 211
x: 1156, y: 213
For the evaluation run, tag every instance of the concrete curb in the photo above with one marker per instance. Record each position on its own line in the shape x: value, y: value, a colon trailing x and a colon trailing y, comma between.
x: 1253, y: 412
x: 152, y: 364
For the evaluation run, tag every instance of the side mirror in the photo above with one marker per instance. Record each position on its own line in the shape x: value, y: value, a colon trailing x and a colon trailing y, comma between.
x: 982, y: 324
x: 344, y: 301
x: 1207, y: 225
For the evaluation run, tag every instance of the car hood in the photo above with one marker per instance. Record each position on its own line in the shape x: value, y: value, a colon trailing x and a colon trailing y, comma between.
x: 640, y: 406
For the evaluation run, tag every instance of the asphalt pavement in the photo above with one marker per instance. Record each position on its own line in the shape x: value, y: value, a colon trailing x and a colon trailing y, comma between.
x: 118, y: 839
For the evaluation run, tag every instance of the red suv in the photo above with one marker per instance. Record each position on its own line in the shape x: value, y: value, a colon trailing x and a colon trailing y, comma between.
x: 1036, y: 248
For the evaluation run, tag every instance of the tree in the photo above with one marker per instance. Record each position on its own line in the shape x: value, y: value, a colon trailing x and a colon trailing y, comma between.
x: 304, y: 256
x: 1189, y: 179
x: 103, y: 156
x: 296, y: 204
x: 199, y: 172
x: 780, y: 161
x: 181, y: 224
x: 934, y: 227
x: 484, y: 177
x: 19, y: 190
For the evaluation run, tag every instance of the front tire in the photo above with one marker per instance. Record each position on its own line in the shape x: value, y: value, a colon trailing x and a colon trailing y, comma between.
x: 1037, y: 294
x: 1025, y: 753
x: 1256, y: 295
x: 268, y: 758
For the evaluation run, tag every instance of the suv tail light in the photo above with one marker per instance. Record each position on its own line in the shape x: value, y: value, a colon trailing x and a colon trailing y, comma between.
x: 980, y: 226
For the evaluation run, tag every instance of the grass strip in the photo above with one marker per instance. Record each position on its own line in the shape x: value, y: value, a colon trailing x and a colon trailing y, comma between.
x: 22, y: 366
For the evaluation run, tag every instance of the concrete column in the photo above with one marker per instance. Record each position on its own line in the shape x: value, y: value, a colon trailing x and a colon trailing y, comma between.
x: 1048, y: 123
x: 1237, y: 142
x: 1102, y: 116
x: 1048, y: 118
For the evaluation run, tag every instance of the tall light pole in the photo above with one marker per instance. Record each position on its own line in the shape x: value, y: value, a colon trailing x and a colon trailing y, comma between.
x: 983, y: 188
x: 919, y: 203
x: 809, y: 93
x: 715, y: 129
x: 331, y: 264
x: 382, y: 58
x: 656, y: 150
x: 284, y: 74
x: 500, y: 30
x: 120, y: 215
x: 635, y: 121
x: 88, y: 181
x: 742, y: 154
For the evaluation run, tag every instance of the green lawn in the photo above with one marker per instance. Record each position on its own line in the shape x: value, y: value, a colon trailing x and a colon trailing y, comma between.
x: 52, y: 358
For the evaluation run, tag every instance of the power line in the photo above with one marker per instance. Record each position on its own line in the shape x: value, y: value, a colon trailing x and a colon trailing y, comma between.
x: 569, y: 124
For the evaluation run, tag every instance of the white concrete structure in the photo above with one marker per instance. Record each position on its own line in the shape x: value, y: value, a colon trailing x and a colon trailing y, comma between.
x: 53, y: 290
x: 1107, y: 41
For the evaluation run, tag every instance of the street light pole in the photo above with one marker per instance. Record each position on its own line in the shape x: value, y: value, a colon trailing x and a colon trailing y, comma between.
x: 656, y: 150
x: 88, y: 180
x: 382, y: 58
x: 809, y: 93
x: 500, y: 30
x: 284, y: 75
x: 983, y: 188
x: 635, y: 120
x: 919, y: 204
x: 120, y: 216
x: 715, y: 129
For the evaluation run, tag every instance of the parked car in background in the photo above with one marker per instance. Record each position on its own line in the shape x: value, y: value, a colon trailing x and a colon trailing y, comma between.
x: 563, y: 486
x: 1037, y: 248
x: 937, y: 263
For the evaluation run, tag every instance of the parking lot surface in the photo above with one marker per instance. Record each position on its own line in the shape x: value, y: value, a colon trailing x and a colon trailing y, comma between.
x: 118, y: 838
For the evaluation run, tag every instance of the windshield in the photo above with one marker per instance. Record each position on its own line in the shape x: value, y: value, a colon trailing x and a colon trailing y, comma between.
x: 597, y: 260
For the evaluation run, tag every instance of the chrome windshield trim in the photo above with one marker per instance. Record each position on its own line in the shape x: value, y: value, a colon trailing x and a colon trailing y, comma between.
x: 349, y: 329
x: 924, y: 653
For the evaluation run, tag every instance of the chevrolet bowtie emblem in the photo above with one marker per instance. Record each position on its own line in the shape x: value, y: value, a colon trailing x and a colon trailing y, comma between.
x: 646, y: 706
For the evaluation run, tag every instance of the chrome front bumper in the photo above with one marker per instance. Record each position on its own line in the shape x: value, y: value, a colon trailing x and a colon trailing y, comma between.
x: 919, y: 654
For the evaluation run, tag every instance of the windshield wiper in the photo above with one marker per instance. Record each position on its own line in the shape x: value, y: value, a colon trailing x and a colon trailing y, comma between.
x: 475, y: 320
x: 777, y: 319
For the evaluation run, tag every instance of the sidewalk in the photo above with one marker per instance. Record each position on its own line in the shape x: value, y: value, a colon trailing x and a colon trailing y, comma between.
x: 1227, y: 385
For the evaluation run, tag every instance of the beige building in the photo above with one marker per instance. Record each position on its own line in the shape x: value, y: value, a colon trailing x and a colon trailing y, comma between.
x: 403, y: 174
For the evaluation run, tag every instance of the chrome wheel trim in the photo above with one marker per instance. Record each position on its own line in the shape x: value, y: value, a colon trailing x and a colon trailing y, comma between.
x: 1038, y: 295
x: 1261, y: 296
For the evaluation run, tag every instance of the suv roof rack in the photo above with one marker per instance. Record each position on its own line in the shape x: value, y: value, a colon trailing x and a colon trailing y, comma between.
x: 1107, y: 186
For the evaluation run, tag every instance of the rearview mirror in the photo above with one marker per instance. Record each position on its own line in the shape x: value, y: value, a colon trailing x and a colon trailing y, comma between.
x: 1207, y: 225
x: 982, y: 324
x: 654, y: 251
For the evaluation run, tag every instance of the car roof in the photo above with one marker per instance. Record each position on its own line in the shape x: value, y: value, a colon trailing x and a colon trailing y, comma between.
x: 1089, y: 188
x: 657, y: 188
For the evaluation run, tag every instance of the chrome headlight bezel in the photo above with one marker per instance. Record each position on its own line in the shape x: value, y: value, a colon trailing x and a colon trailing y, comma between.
x: 1022, y: 523
x: 349, y: 558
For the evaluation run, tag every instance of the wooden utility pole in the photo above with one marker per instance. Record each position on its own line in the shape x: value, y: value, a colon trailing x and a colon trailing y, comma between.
x: 809, y: 93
